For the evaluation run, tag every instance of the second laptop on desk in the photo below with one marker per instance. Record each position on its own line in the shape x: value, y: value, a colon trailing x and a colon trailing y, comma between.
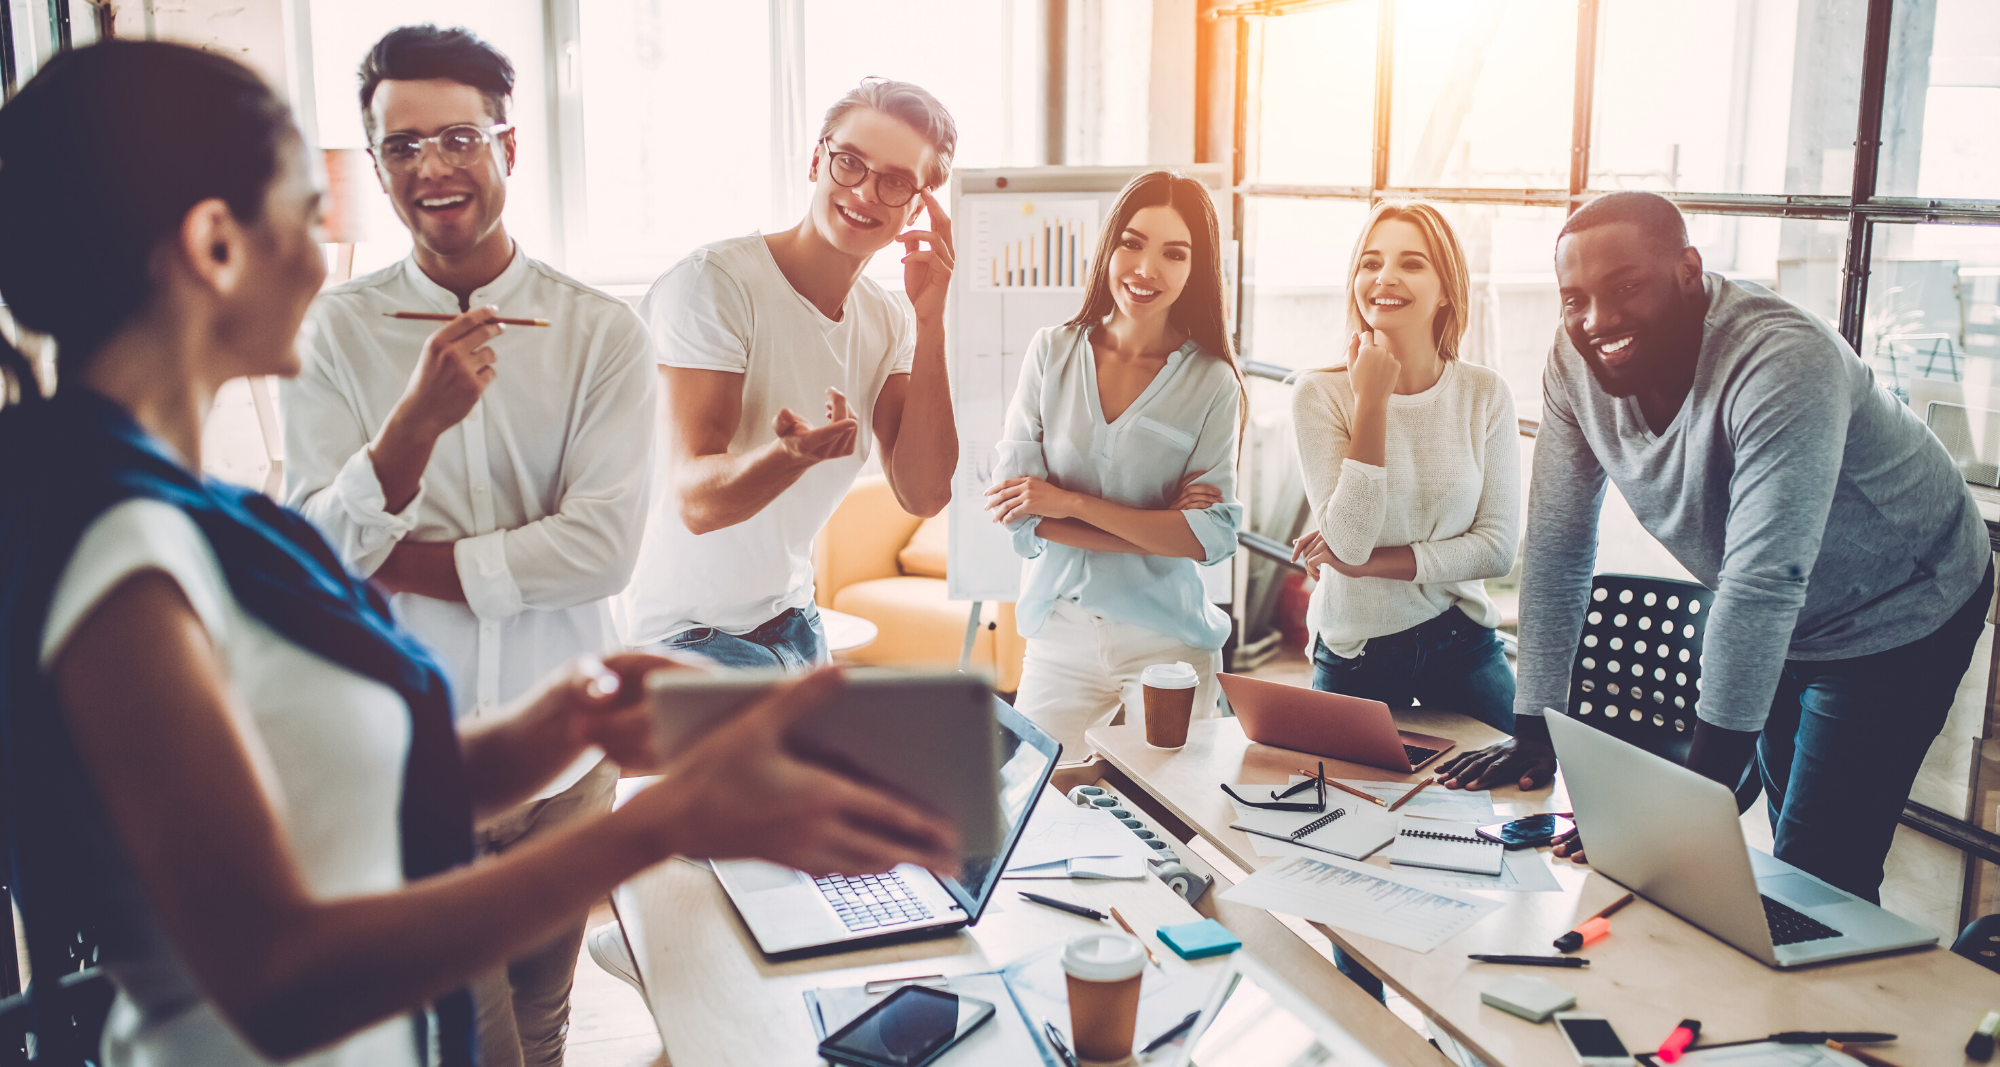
x: 1673, y: 837
x: 1327, y: 724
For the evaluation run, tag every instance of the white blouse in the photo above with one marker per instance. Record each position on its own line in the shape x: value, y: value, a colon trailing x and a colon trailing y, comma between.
x: 329, y: 746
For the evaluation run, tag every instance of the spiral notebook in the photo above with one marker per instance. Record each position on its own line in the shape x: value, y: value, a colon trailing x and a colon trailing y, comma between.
x: 1446, y: 847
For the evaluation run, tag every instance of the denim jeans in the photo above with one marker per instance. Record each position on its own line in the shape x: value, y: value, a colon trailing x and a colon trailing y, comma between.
x: 794, y: 640
x: 1449, y: 663
x: 1844, y: 742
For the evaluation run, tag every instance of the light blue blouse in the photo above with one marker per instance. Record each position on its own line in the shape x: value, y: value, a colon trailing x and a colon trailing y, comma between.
x: 1183, y: 423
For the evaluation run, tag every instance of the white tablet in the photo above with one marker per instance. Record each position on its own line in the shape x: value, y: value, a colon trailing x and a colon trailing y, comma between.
x: 928, y: 735
x: 1256, y: 1019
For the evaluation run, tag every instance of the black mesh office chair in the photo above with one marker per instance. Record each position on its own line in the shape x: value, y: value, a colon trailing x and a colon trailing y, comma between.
x: 1637, y: 670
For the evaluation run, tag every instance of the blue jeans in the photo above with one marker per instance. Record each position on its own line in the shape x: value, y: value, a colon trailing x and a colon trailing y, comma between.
x: 1845, y: 739
x: 793, y: 640
x: 1449, y: 663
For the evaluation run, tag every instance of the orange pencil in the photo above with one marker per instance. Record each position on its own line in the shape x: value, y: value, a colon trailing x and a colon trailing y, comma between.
x: 1866, y: 1057
x: 438, y: 316
x: 1405, y: 798
x: 1375, y: 800
x: 1135, y: 933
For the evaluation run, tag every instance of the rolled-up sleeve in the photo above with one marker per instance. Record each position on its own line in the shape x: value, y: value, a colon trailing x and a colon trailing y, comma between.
x: 586, y: 550
x: 1019, y: 451
x: 329, y: 476
x: 1214, y: 461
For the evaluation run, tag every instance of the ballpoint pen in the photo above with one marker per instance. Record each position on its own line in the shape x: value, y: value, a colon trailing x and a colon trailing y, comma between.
x: 1064, y: 905
x: 1531, y: 961
x: 1055, y: 1038
x: 1174, y: 1031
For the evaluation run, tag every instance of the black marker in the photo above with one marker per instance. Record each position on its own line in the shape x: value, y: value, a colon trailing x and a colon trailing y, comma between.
x: 1532, y: 961
x: 1064, y: 905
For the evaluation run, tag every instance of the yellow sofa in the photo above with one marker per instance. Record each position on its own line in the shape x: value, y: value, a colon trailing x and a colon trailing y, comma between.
x: 879, y: 562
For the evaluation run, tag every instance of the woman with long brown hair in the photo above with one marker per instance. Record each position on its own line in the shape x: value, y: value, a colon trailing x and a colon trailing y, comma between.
x: 1117, y: 469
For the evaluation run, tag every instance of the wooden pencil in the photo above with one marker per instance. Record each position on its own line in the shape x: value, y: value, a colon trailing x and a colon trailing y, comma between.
x: 1405, y: 798
x: 439, y: 316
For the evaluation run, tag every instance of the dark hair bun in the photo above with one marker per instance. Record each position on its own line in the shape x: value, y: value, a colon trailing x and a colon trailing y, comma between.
x: 102, y: 154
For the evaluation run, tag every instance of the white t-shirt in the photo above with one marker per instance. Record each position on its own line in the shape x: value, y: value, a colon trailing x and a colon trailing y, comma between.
x: 727, y: 307
x: 329, y: 747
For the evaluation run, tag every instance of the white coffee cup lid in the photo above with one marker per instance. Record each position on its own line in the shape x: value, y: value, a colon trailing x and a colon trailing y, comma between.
x: 1175, y: 675
x: 1105, y: 957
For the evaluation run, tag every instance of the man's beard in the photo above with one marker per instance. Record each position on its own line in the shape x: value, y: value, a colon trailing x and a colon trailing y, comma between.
x: 1676, y: 343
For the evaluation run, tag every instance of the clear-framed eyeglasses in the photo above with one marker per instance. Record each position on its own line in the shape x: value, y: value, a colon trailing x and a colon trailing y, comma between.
x: 461, y: 146
x: 848, y: 171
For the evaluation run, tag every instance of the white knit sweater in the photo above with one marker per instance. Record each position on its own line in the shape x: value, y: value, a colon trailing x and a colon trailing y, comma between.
x: 1449, y: 487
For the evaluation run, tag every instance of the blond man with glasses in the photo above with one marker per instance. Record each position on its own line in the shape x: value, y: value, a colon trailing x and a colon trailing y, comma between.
x: 492, y: 477
x: 780, y: 363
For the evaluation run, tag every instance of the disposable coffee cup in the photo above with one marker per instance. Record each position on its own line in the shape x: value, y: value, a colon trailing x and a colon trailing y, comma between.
x: 1103, y: 971
x: 1168, y: 689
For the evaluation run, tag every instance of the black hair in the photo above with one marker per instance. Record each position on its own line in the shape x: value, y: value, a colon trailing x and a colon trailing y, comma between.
x: 1658, y: 220
x: 102, y: 155
x: 419, y: 53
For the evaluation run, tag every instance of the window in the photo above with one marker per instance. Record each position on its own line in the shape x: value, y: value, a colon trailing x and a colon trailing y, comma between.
x: 1482, y: 93
x: 1318, y: 74
x: 1943, y: 94
x: 699, y: 120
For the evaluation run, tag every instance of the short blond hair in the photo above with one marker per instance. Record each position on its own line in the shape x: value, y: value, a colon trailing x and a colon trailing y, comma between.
x: 1448, y: 327
x: 918, y: 110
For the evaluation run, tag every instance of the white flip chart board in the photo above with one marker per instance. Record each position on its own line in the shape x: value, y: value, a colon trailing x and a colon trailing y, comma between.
x: 1025, y: 238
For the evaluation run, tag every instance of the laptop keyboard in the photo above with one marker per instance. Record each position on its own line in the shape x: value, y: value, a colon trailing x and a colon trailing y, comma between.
x: 1417, y: 755
x: 872, y: 900
x: 1789, y: 927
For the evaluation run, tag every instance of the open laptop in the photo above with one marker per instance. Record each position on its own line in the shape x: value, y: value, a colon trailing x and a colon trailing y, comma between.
x: 1327, y: 724
x: 1672, y: 836
x: 792, y: 914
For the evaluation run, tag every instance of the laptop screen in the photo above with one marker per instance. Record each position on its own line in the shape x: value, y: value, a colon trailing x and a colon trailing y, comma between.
x: 1027, y: 756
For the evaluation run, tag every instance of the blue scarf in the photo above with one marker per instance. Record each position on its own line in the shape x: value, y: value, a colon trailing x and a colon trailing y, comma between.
x: 67, y: 461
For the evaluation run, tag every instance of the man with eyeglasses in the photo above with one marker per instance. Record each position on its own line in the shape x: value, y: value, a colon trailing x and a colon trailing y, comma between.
x: 757, y: 336
x: 492, y: 478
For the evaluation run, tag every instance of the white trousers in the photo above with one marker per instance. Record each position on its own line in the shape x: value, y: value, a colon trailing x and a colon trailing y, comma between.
x: 1082, y: 671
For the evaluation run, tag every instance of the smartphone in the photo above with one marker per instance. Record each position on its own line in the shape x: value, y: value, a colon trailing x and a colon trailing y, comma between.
x: 1533, y: 831
x: 911, y: 1027
x: 1591, y: 1040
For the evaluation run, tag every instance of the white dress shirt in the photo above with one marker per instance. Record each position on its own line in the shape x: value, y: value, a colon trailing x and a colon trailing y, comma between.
x: 542, y: 487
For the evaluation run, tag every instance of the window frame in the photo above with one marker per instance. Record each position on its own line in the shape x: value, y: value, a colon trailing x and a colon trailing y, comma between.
x: 1860, y: 208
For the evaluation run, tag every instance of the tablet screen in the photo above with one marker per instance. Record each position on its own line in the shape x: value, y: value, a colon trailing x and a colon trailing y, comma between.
x: 1254, y: 1030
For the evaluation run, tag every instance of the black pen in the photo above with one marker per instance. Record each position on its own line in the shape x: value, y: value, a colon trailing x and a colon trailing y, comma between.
x: 1173, y: 1031
x: 1064, y: 905
x: 1055, y: 1038
x: 1532, y: 961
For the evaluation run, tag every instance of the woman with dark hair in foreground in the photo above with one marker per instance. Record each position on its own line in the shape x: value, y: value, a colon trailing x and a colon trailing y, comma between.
x: 224, y: 762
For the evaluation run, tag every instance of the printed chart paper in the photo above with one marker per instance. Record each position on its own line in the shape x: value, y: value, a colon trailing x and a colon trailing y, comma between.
x: 1031, y: 244
x: 1370, y: 901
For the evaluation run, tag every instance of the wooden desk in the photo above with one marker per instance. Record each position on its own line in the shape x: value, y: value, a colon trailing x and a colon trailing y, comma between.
x: 1653, y: 971
x: 718, y: 1001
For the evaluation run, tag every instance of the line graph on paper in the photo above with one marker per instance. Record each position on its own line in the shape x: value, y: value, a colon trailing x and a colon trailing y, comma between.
x: 1371, y: 901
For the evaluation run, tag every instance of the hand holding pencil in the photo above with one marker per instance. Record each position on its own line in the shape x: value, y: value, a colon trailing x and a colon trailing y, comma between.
x: 453, y: 371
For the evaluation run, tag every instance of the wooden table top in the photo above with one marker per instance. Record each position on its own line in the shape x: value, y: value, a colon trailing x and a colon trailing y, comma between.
x: 1651, y: 972
x: 719, y: 1003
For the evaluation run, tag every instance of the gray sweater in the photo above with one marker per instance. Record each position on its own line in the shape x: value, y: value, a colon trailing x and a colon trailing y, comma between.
x: 1826, y: 517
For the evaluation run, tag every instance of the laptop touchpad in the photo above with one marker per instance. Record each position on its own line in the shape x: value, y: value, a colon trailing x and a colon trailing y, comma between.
x: 1799, y: 890
x: 756, y: 876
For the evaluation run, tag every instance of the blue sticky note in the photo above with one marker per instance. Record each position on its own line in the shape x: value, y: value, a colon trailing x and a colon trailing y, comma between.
x: 1192, y: 941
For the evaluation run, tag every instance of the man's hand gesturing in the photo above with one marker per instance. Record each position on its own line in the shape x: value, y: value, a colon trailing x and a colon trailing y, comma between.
x: 832, y: 441
x: 456, y: 366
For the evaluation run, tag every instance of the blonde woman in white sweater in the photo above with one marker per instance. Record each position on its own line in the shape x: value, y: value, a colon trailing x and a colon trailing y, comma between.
x: 1413, y: 476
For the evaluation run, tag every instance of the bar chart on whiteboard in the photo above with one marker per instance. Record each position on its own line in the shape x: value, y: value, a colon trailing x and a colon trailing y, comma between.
x: 1032, y: 243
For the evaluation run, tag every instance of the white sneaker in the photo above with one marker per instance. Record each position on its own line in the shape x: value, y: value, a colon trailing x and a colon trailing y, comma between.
x: 609, y: 951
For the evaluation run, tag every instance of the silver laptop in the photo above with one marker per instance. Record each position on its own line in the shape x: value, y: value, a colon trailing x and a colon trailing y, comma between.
x: 1672, y: 836
x: 792, y: 914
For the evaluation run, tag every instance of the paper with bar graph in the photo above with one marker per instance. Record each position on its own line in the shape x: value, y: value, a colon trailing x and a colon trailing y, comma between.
x: 1030, y: 243
x: 1368, y: 900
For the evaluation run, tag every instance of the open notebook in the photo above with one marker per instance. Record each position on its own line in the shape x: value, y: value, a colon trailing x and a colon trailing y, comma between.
x: 1447, y: 847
